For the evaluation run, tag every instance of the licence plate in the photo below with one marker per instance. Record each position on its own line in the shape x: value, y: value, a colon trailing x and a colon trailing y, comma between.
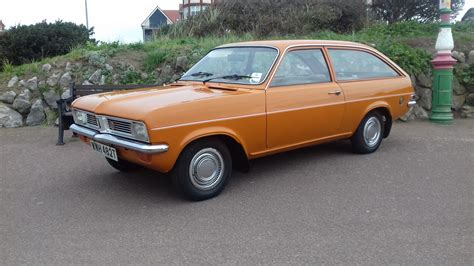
x: 105, y: 150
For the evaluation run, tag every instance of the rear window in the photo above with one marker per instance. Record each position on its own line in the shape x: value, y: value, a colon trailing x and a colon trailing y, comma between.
x: 359, y: 65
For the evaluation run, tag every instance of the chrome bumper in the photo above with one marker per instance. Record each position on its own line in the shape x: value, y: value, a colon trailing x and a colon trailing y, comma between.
x: 118, y: 141
x: 411, y: 103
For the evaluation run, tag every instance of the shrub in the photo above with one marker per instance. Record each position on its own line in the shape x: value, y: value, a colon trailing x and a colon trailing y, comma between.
x: 412, y: 60
x: 23, y: 44
x: 154, y: 59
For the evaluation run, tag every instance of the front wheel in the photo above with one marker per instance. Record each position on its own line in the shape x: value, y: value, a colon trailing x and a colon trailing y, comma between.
x: 203, y: 169
x: 369, y: 135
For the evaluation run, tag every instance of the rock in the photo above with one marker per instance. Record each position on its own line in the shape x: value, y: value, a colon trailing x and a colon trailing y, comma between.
x: 182, y: 62
x: 470, y: 59
x: 467, y: 111
x: 36, y: 116
x: 50, y: 115
x: 95, y: 77
x: 96, y: 59
x: 53, y: 79
x: 22, y: 102
x: 166, y: 72
x: 68, y: 67
x: 32, y: 84
x: 459, y: 56
x: 50, y: 98
x: 116, y: 79
x: 419, y: 112
x: 9, y: 117
x: 425, y: 97
x: 66, y: 93
x: 413, y: 80
x: 86, y: 82
x: 22, y: 83
x: 8, y: 97
x: 458, y: 101
x: 46, y: 68
x: 109, y: 68
x: 102, y: 80
x: 470, y: 99
x: 65, y: 80
x: 408, y: 116
x: 175, y: 77
x: 458, y: 89
x: 42, y: 84
x: 12, y: 82
x: 56, y: 122
x: 424, y: 81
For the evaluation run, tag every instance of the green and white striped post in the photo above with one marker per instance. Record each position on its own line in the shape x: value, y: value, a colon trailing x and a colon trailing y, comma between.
x: 443, y: 68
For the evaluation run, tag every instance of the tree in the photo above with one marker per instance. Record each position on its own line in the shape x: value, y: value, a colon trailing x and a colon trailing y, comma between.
x: 23, y: 44
x: 393, y: 11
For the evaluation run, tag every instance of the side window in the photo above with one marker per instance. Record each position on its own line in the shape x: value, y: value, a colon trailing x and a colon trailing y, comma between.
x: 357, y: 65
x: 302, y: 67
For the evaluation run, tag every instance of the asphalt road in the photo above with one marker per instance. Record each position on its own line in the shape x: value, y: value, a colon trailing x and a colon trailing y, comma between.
x: 412, y: 202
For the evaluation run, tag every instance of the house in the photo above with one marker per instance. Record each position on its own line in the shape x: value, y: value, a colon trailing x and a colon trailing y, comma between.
x: 192, y: 7
x: 2, y: 27
x: 157, y: 19
x: 469, y: 16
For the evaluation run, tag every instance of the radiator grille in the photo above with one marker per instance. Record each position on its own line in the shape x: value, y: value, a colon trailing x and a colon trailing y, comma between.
x: 120, y: 126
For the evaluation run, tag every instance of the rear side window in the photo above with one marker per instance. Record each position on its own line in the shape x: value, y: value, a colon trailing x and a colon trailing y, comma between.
x: 302, y: 67
x: 359, y: 65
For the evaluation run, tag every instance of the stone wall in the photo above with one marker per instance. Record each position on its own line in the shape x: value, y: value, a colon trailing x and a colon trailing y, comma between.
x: 463, y: 94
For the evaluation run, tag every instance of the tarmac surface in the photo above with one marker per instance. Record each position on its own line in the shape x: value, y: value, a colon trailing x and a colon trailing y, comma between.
x: 411, y: 202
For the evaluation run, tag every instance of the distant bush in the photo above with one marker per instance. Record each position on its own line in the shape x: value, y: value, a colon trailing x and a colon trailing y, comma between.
x: 23, y: 44
x: 270, y: 18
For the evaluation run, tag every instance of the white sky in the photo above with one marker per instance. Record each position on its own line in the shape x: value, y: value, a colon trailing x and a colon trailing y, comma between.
x: 117, y: 20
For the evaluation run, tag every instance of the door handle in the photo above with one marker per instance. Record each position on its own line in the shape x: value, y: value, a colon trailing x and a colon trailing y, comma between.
x: 335, y: 93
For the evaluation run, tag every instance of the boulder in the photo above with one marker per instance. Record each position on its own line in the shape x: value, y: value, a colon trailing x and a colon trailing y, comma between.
x: 424, y: 81
x: 470, y: 59
x: 42, y: 84
x: 8, y: 97
x: 53, y: 79
x: 66, y: 93
x: 32, y: 84
x: 86, y: 82
x: 102, y: 80
x: 22, y: 83
x: 65, y: 80
x: 459, y: 56
x: 95, y: 77
x: 181, y: 62
x: 109, y: 68
x: 46, y: 68
x: 470, y: 99
x: 50, y: 97
x: 22, y: 102
x: 36, y: 116
x: 424, y: 97
x: 458, y: 89
x: 10, y: 117
x: 467, y: 111
x: 12, y: 82
x: 458, y: 102
x: 419, y: 112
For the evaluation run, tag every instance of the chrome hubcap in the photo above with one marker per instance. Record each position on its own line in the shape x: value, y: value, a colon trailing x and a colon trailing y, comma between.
x: 372, y: 131
x: 206, y: 169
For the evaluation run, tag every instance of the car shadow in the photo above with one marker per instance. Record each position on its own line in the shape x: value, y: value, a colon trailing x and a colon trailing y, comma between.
x: 159, y: 187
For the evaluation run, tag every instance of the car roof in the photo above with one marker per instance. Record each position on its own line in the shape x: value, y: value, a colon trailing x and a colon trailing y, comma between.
x: 284, y: 44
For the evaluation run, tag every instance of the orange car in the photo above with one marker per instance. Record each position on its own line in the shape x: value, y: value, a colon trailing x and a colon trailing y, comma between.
x: 244, y: 101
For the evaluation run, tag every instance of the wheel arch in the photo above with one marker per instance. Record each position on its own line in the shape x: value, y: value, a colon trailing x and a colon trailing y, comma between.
x: 384, y: 109
x: 229, y: 138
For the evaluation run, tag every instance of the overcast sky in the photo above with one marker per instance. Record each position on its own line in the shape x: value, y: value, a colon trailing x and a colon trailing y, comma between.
x: 113, y: 20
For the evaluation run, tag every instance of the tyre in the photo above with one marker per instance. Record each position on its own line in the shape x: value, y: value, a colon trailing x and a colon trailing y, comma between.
x: 369, y: 135
x: 122, y: 165
x: 202, y: 169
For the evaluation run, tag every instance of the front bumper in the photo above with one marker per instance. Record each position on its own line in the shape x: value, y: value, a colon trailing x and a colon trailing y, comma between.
x: 118, y: 141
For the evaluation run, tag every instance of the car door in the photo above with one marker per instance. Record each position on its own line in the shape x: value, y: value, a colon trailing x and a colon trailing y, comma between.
x: 304, y: 104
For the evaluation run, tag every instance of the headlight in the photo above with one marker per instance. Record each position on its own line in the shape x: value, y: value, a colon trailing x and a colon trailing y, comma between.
x: 140, y: 131
x: 80, y: 117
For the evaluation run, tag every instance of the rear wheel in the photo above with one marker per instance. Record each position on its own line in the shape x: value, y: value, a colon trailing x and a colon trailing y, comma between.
x: 369, y: 135
x: 122, y: 165
x: 203, y: 169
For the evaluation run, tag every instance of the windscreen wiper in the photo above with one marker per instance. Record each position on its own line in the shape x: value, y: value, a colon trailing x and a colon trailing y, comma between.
x: 199, y: 74
x: 232, y: 77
